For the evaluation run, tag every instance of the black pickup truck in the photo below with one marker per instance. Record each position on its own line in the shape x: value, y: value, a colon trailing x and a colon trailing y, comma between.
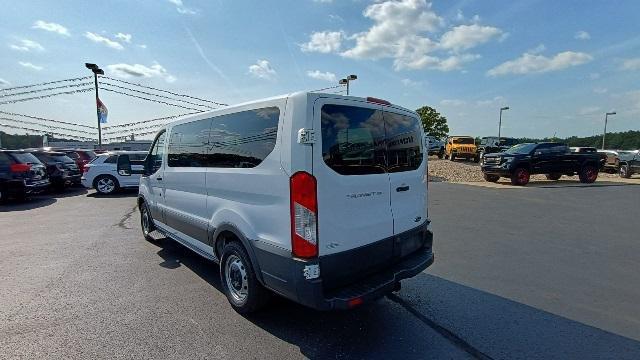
x: 551, y: 159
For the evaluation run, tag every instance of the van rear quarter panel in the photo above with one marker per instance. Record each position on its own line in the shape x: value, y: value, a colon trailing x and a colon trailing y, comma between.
x: 255, y: 200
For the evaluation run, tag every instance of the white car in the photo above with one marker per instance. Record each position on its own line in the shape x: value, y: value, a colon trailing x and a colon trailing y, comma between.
x: 319, y: 198
x: 101, y: 173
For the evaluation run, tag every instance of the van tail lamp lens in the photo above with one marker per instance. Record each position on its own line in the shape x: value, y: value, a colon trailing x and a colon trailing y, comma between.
x: 304, y: 215
x: 19, y: 168
x: 354, y: 302
x: 378, y: 101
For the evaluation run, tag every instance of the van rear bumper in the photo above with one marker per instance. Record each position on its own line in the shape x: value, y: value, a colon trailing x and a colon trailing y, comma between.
x: 344, y: 287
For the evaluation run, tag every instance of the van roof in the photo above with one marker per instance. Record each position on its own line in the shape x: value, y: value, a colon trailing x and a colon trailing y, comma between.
x: 205, y: 114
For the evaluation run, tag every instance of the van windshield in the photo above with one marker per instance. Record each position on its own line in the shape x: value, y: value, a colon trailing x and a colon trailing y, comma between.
x: 360, y: 141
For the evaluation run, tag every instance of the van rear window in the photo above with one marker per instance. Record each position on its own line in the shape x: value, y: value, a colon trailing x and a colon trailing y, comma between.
x: 361, y: 141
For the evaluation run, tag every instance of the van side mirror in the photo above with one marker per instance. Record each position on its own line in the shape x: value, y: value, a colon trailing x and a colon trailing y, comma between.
x: 124, y: 165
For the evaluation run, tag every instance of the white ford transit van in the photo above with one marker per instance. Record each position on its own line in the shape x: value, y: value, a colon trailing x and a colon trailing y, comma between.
x: 319, y: 198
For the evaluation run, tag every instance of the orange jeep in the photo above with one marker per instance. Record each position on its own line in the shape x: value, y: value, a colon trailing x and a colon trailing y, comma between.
x: 460, y: 147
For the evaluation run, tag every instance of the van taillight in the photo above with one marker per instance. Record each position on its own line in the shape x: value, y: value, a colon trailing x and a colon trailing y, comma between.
x: 304, y: 215
x: 19, y: 168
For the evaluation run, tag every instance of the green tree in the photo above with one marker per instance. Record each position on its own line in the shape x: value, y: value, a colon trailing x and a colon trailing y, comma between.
x: 434, y: 123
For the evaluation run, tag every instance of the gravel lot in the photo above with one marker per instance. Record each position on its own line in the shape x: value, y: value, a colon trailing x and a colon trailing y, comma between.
x: 468, y: 171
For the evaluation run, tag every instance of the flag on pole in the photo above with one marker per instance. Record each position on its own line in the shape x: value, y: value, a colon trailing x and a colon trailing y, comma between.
x: 102, y: 111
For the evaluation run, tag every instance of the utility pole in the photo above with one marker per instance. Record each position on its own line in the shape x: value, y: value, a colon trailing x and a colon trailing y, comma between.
x: 500, y: 121
x: 96, y: 71
x: 604, y: 135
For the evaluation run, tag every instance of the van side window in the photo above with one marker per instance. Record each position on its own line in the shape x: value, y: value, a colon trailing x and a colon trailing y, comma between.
x: 404, y: 151
x: 188, y: 144
x: 243, y: 139
x: 353, y: 139
x: 155, y: 156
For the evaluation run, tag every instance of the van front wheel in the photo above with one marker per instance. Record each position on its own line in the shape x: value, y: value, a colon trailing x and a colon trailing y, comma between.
x: 239, y: 282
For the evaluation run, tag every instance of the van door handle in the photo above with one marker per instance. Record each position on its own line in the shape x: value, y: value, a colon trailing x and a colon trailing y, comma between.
x: 402, y: 188
x: 159, y: 178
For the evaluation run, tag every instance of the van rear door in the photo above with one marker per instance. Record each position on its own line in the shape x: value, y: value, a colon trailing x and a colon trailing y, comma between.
x: 352, y: 184
x: 406, y: 167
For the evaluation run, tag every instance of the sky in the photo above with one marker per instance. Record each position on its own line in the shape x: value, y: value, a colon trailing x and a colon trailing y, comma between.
x: 559, y: 65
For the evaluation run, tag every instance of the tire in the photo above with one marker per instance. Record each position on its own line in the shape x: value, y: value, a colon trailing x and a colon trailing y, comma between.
x: 3, y: 196
x: 146, y: 222
x: 106, y: 184
x: 480, y: 156
x: 490, y: 178
x: 239, y: 282
x: 588, y: 174
x: 476, y: 158
x: 452, y: 157
x: 553, y: 176
x: 624, y: 171
x: 440, y: 155
x: 520, y: 176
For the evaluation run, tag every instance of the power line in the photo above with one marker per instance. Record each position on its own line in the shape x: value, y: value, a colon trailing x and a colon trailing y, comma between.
x: 150, y: 120
x: 147, y: 99
x: 45, y: 119
x: 46, y: 96
x: 147, y: 93
x: 47, y: 89
x: 327, y: 88
x: 165, y: 91
x: 46, y: 83
x: 46, y: 132
x: 52, y: 127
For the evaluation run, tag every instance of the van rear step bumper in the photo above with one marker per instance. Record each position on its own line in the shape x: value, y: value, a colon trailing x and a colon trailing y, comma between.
x: 378, y: 284
x: 284, y: 275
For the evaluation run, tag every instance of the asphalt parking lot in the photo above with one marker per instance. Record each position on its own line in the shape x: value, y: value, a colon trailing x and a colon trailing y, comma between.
x: 543, y: 273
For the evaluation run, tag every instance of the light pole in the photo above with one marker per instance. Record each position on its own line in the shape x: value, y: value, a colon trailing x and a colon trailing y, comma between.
x: 606, y: 117
x: 96, y: 71
x: 500, y: 121
x: 346, y: 81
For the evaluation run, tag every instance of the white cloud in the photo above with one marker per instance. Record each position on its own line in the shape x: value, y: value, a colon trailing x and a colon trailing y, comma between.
x: 532, y: 63
x: 4, y: 82
x: 26, y: 45
x: 582, y: 35
x: 324, y: 42
x: 631, y: 64
x: 409, y: 82
x: 455, y: 62
x: 182, y: 9
x: 29, y: 65
x: 452, y: 102
x: 124, y: 37
x: 51, y: 27
x: 127, y: 71
x: 334, y: 17
x: 142, y: 46
x: 262, y: 69
x: 397, y: 32
x: 465, y: 37
x: 319, y: 75
x: 589, y: 110
x: 496, y: 101
x: 103, y: 40
x: 460, y: 16
x: 405, y: 31
x: 600, y: 90
x: 537, y: 50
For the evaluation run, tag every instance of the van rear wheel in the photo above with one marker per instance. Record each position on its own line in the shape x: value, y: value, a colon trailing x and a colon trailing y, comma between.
x: 239, y: 281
